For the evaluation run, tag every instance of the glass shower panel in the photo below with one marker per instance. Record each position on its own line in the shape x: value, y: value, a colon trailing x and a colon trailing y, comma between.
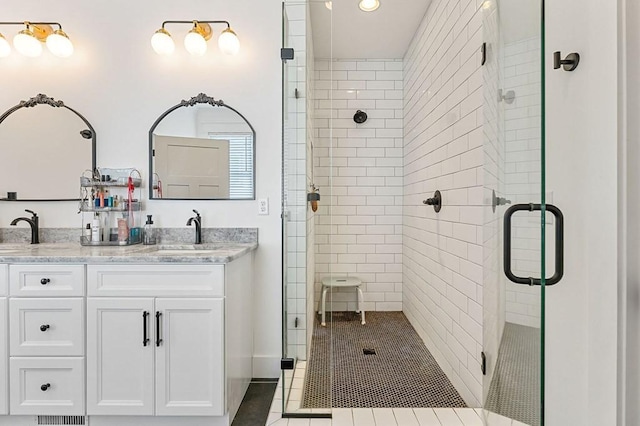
x: 514, y: 193
x: 300, y: 215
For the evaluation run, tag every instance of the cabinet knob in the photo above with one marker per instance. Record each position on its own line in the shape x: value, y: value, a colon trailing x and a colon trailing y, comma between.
x: 45, y: 281
x: 45, y: 327
x: 45, y: 387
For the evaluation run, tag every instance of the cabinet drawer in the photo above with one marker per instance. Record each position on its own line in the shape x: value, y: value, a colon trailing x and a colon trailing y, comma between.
x: 4, y: 280
x: 47, y: 386
x: 155, y: 280
x: 49, y: 327
x: 46, y: 280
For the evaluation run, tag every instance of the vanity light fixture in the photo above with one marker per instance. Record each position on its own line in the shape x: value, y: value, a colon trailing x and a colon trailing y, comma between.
x: 5, y: 47
x: 369, y: 5
x: 28, y: 41
x: 196, y: 40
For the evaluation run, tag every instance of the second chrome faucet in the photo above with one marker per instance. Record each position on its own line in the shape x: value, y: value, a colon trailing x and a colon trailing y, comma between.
x: 197, y: 220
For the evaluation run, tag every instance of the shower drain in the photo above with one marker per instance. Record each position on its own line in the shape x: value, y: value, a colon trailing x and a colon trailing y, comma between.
x: 369, y: 351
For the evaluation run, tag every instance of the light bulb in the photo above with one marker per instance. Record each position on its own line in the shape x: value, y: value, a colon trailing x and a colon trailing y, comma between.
x: 27, y: 44
x: 5, y: 47
x: 59, y: 44
x: 228, y: 42
x: 162, y: 42
x: 195, y: 43
x: 369, y: 5
x: 328, y: 5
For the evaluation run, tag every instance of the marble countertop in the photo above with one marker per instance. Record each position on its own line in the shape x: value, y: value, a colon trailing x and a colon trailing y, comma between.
x: 220, y: 252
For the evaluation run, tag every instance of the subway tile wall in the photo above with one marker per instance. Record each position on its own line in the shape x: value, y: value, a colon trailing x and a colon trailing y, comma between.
x: 443, y: 149
x: 310, y: 215
x: 523, y: 175
x: 358, y: 167
x: 295, y: 183
x: 493, y: 297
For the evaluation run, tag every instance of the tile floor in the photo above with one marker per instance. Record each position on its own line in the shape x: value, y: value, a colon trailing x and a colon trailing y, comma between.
x: 381, y: 416
x: 400, y: 360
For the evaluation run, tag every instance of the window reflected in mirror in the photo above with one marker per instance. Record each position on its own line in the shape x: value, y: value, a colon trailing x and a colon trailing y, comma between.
x: 202, y: 151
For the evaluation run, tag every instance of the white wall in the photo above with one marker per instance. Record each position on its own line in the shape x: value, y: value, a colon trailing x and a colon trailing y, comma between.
x: 630, y: 235
x: 121, y: 86
x: 443, y: 149
x: 582, y: 167
x: 359, y: 171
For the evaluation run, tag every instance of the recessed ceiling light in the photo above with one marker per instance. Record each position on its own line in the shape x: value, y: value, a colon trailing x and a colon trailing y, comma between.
x: 369, y: 5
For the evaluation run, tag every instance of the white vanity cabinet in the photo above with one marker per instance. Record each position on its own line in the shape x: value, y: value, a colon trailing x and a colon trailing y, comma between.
x: 168, y: 340
x: 4, y: 347
x: 46, y: 339
x: 185, y: 337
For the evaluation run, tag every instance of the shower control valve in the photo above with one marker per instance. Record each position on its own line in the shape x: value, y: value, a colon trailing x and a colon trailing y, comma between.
x: 435, y: 201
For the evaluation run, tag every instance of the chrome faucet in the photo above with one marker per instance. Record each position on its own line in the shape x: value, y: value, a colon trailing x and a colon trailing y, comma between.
x: 33, y: 222
x: 198, y: 221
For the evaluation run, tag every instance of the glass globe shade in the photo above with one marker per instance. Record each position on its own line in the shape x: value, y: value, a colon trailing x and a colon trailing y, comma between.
x: 228, y: 42
x: 27, y: 44
x: 369, y: 5
x: 59, y: 44
x: 162, y: 42
x: 5, y: 47
x: 195, y: 43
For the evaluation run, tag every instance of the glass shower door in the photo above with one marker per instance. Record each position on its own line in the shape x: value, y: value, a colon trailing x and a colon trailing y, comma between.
x: 519, y: 221
x: 299, y: 212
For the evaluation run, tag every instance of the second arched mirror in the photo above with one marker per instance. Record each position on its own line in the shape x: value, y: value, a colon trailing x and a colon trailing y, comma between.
x: 202, y: 149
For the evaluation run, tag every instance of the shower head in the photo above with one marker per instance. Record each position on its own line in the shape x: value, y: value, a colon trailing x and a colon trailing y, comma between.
x: 360, y: 117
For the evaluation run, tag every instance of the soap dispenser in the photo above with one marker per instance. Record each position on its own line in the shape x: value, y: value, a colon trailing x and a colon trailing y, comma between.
x: 149, y: 232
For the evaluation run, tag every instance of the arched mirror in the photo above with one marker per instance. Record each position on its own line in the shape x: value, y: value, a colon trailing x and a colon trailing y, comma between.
x: 46, y: 146
x: 202, y: 149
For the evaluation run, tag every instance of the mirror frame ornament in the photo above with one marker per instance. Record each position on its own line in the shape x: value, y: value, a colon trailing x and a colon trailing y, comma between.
x: 42, y: 99
x: 200, y: 99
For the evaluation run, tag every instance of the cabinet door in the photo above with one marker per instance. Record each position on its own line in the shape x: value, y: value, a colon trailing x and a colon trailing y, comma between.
x: 189, y: 358
x: 119, y: 361
x: 4, y: 366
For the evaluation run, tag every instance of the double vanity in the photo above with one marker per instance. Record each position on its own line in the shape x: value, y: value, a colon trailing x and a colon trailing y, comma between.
x: 136, y: 335
x: 110, y: 334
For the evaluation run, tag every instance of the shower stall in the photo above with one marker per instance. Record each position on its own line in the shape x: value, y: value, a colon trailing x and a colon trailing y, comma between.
x: 454, y: 294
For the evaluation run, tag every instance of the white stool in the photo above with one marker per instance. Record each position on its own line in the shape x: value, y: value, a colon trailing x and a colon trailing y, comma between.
x: 341, y: 282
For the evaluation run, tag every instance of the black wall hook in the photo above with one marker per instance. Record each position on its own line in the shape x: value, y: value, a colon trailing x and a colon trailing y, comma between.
x: 569, y: 63
x: 435, y: 201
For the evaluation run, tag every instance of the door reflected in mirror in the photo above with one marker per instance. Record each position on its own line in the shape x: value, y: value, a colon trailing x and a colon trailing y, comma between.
x: 202, y: 149
x: 46, y: 146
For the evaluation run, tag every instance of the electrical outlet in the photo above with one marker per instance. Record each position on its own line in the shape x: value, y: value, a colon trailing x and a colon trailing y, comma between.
x: 263, y: 206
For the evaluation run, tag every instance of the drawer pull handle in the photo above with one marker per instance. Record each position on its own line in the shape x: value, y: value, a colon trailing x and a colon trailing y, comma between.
x: 45, y: 281
x: 45, y: 387
x: 44, y: 327
x: 145, y: 338
x: 158, y: 339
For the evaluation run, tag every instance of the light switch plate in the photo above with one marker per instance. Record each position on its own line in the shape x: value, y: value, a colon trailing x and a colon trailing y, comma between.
x: 263, y: 206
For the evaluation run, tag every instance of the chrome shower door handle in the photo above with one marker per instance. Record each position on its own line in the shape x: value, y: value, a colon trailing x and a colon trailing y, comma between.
x: 559, y: 244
